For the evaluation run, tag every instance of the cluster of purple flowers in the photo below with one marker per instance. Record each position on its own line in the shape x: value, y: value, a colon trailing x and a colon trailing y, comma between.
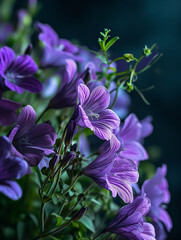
x: 115, y: 168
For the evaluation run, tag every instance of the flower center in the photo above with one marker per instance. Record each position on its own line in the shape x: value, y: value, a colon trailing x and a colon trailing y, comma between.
x: 93, y: 115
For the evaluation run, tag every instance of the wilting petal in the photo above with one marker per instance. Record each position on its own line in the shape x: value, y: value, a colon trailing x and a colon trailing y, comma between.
x: 99, y: 99
x: 11, y: 189
x: 7, y: 56
x: 83, y: 93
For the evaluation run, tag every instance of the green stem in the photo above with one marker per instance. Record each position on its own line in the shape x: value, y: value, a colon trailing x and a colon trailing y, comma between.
x: 115, y: 98
x: 63, y: 137
x: 100, y: 234
x: 72, y: 185
x: 116, y: 59
x: 41, y: 115
x: 42, y: 217
x: 54, y: 231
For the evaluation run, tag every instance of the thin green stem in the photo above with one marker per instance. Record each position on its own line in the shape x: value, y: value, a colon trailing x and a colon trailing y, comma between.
x: 54, y: 231
x: 41, y: 115
x: 72, y: 185
x: 115, y: 98
x: 42, y: 217
x: 63, y: 137
x: 116, y: 59
x: 100, y: 234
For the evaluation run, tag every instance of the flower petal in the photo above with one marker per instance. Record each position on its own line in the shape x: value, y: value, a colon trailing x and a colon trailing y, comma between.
x: 11, y: 189
x: 26, y: 120
x: 7, y: 56
x: 83, y: 93
x: 102, y: 132
x: 131, y: 129
x: 99, y: 99
x: 71, y: 69
x: 109, y: 118
x: 5, y: 147
x: 134, y: 151
x: 23, y: 65
x: 148, y: 232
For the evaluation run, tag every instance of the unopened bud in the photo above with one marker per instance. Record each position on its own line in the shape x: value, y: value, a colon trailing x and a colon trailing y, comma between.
x: 53, y: 161
x: 74, y: 147
x: 129, y: 57
x: 79, y: 214
x: 67, y: 158
x: 146, y: 51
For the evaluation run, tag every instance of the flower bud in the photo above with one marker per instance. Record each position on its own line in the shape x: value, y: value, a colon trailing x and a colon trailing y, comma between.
x: 54, y: 161
x: 72, y: 127
x: 79, y: 214
x: 67, y: 158
x: 73, y: 148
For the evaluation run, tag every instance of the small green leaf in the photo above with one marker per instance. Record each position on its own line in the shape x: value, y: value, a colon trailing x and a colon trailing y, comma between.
x: 95, y: 201
x: 87, y: 222
x: 111, y: 42
x: 59, y: 219
x: 74, y: 224
x: 101, y: 57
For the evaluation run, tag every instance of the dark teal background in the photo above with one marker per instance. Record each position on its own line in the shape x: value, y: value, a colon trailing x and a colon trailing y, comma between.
x: 137, y: 22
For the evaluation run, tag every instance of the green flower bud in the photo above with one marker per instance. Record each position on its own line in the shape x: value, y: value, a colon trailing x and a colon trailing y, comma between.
x: 129, y: 57
x: 146, y: 51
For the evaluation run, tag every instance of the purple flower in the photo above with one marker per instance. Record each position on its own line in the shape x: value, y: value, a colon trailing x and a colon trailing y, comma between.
x: 94, y: 113
x: 130, y: 134
x: 10, y: 168
x: 31, y: 141
x: 66, y: 95
x: 113, y: 173
x: 16, y: 72
x: 129, y: 221
x: 156, y: 190
x: 8, y: 114
x: 56, y: 50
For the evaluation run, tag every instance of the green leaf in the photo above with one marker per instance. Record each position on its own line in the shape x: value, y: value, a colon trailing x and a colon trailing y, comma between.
x: 101, y: 57
x: 95, y: 201
x: 75, y: 224
x: 59, y: 219
x: 20, y: 230
x: 87, y: 222
x: 111, y: 42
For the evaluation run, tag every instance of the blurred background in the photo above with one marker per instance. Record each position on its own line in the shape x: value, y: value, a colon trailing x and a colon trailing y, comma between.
x: 136, y: 23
